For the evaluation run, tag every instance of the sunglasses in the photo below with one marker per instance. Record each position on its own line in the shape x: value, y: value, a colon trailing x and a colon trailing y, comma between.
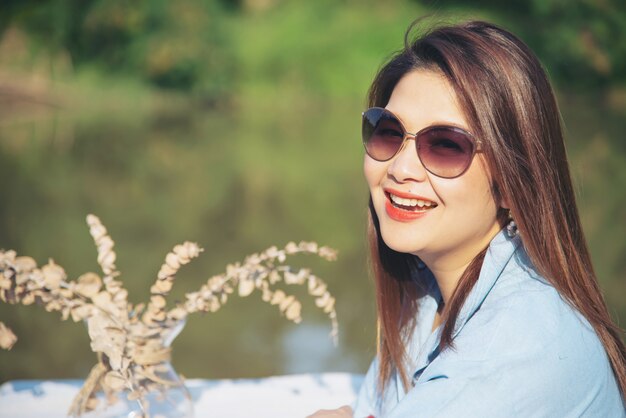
x: 445, y: 151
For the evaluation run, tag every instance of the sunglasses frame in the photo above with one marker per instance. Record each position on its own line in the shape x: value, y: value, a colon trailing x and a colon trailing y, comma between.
x: 475, y: 142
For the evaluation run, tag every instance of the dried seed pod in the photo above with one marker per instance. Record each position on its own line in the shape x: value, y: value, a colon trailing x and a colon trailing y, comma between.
x: 22, y: 278
x: 7, y: 256
x: 92, y: 403
x: 329, y: 305
x: 28, y: 299
x: 291, y: 248
x: 107, y: 260
x: 166, y: 271
x: 104, y: 244
x: 133, y: 396
x: 277, y: 297
x: 24, y: 264
x: 7, y: 338
x: 319, y: 289
x: 53, y: 305
x: 53, y: 275
x: 103, y: 301
x: 310, y: 247
x: 8, y: 273
x: 5, y: 283
x: 150, y: 375
x: 266, y: 294
x: 172, y: 260
x: 328, y: 253
x: 274, y: 277
x: 271, y: 252
x: 161, y: 287
x: 114, y: 380
x: 120, y: 298
x: 158, y: 315
x: 147, y: 318
x: 88, y: 285
x: 214, y: 305
x: 177, y: 314
x: 157, y: 301
x: 152, y: 356
x: 323, y: 300
x: 96, y: 229
x: 246, y: 286
x: 296, y: 278
x: 284, y: 304
x: 293, y: 312
x: 81, y: 312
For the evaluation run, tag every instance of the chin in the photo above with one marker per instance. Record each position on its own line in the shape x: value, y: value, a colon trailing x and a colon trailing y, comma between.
x: 398, y: 242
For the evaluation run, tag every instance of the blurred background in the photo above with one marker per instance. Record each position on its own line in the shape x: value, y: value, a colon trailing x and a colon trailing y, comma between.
x: 235, y: 124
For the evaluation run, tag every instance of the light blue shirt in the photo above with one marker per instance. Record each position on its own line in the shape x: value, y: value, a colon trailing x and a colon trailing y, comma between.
x: 520, y: 351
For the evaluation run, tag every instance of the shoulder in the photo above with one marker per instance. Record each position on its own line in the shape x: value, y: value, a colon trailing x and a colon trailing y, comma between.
x: 524, y: 315
x: 526, y: 336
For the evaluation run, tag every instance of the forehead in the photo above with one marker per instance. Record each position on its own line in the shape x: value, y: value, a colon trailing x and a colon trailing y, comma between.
x: 423, y: 98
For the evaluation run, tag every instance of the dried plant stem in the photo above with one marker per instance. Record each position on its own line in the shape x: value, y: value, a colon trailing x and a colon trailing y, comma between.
x: 86, y: 394
x: 179, y: 256
x: 106, y: 259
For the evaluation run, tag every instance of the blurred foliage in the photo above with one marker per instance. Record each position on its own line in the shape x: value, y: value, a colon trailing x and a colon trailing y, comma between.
x: 171, y: 44
x: 187, y: 45
x: 581, y: 42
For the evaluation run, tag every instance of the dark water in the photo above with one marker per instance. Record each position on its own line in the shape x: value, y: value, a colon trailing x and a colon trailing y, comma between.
x: 236, y: 180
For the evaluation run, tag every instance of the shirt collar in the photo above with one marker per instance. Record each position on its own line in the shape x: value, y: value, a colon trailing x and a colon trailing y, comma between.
x: 499, y: 252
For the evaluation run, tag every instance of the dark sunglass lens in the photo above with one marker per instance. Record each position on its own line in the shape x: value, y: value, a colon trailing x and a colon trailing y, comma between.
x: 446, y: 152
x: 382, y: 134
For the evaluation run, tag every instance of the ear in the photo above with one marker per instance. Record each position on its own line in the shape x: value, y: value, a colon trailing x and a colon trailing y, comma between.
x: 501, y: 200
x: 504, y: 202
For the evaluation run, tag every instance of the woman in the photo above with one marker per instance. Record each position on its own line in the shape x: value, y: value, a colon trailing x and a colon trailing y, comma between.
x: 478, y: 318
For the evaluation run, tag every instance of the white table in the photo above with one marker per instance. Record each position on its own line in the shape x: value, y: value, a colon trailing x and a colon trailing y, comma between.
x: 281, y: 396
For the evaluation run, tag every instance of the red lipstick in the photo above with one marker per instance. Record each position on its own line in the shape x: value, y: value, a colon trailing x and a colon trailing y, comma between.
x: 404, y: 194
x: 401, y: 214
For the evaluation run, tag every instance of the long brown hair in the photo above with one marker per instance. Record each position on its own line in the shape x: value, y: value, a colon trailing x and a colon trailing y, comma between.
x: 509, y: 104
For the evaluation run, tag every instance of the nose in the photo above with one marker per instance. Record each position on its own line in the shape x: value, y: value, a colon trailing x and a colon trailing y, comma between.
x: 406, y: 165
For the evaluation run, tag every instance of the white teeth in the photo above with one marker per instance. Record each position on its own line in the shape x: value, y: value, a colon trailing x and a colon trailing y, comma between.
x: 410, y: 202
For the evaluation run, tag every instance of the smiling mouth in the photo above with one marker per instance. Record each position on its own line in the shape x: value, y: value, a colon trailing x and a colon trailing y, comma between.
x: 413, y: 205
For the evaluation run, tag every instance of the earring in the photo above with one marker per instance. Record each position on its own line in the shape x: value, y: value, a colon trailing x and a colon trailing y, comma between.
x: 511, y: 228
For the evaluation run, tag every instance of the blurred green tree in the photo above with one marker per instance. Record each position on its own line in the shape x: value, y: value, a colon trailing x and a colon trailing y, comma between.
x: 581, y: 42
x: 180, y: 45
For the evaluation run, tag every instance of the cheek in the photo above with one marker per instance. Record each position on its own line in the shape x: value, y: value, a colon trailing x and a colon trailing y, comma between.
x: 477, y: 194
x: 374, y: 171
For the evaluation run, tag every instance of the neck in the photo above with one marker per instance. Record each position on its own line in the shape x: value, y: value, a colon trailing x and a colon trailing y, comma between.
x: 448, y: 279
x: 449, y: 266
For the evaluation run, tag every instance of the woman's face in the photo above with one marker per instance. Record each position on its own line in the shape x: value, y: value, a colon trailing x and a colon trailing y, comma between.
x: 461, y: 219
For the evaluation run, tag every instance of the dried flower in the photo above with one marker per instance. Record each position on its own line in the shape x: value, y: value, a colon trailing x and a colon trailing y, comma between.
x: 132, y: 342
